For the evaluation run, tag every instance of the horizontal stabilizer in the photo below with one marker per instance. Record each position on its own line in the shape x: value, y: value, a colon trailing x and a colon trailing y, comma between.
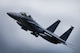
x: 53, y: 26
x: 66, y: 34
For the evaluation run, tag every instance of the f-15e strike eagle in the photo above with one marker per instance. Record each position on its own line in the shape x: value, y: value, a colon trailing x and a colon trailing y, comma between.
x: 28, y: 23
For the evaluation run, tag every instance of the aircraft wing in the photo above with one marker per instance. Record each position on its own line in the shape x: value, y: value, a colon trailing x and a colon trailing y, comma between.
x: 61, y: 39
x: 56, y: 36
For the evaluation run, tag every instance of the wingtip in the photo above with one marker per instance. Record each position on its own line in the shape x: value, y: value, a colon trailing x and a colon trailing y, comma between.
x: 59, y: 20
x: 72, y: 27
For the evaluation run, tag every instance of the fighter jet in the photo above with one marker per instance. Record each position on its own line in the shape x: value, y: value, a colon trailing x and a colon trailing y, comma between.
x: 27, y: 23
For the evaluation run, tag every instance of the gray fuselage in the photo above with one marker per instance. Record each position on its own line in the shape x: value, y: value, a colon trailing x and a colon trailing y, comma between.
x: 27, y: 23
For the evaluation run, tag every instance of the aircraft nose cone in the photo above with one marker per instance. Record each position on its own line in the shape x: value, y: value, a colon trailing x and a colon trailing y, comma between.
x: 13, y: 15
x: 9, y: 13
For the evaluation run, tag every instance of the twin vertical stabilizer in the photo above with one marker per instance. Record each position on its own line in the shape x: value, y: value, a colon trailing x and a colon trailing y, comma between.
x: 64, y: 36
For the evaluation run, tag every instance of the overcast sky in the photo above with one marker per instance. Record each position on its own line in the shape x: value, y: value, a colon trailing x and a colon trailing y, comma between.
x: 13, y: 39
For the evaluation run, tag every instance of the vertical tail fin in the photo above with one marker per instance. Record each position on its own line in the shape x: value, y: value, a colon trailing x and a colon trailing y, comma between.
x: 66, y: 34
x: 53, y: 26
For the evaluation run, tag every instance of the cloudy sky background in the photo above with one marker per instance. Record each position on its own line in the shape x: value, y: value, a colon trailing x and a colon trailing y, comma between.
x: 15, y: 40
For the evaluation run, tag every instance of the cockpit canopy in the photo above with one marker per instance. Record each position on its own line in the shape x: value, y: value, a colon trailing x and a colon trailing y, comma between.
x: 24, y: 14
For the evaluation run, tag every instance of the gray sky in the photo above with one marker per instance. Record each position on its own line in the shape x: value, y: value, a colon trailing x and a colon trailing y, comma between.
x: 45, y: 12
